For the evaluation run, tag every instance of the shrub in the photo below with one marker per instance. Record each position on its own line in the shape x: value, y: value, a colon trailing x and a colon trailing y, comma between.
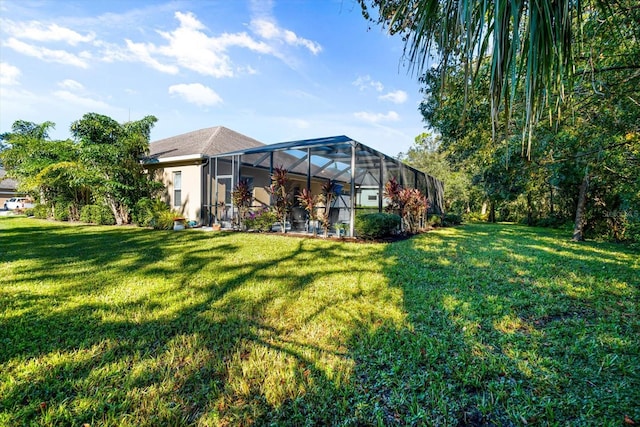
x: 632, y: 232
x: 476, y: 217
x: 451, y: 219
x: 61, y: 211
x: 242, y: 196
x: 376, y: 225
x: 86, y: 213
x: 142, y: 213
x: 97, y: 214
x: 164, y: 220
x: 41, y: 211
x: 153, y: 213
x: 434, y: 221
x: 261, y: 221
x: 410, y: 203
x: 309, y: 202
x: 28, y: 211
x: 105, y: 216
x: 280, y: 194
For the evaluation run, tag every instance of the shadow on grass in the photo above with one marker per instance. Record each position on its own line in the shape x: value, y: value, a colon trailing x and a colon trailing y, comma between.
x: 121, y: 326
x: 469, y: 326
x: 506, y: 326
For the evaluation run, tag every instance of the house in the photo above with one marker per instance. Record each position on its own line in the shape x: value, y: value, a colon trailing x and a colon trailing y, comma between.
x: 180, y: 161
x: 8, y: 187
x: 200, y: 169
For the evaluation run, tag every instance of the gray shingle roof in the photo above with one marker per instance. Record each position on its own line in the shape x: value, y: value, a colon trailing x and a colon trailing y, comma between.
x: 209, y: 141
x: 7, y: 184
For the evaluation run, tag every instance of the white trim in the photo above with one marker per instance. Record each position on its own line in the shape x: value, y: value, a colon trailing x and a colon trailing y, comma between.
x: 175, y: 159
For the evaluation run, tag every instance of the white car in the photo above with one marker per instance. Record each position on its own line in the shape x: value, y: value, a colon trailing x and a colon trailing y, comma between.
x: 18, y: 203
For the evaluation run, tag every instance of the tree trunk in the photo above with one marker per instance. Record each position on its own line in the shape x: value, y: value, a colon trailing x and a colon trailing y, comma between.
x: 492, y: 211
x: 114, y: 209
x: 578, y: 227
x: 529, y: 209
x: 551, y: 208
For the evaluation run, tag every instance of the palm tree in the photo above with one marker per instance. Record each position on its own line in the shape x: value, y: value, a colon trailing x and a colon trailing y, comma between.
x: 528, y: 43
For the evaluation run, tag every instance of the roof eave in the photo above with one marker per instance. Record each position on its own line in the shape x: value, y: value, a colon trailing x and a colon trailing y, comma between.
x: 172, y: 159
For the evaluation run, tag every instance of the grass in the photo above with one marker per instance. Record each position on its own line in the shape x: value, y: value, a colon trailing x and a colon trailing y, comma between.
x: 474, y: 325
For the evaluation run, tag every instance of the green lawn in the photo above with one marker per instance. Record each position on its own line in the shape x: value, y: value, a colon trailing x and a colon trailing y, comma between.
x: 475, y: 325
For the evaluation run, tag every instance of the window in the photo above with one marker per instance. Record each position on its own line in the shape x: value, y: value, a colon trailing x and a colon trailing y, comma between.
x: 372, y: 197
x: 177, y: 189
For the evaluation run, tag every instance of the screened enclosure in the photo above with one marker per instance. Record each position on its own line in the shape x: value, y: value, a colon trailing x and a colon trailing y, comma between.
x: 359, y: 171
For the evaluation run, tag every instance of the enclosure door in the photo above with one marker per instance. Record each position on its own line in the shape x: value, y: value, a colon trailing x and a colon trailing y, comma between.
x: 224, y: 206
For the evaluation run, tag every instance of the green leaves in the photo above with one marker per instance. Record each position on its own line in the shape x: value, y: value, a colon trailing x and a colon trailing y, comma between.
x: 102, y: 164
x: 528, y: 44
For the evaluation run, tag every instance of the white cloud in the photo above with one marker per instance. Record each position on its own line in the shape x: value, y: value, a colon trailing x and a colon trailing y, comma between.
x: 38, y: 31
x: 9, y: 74
x: 85, y: 102
x: 190, y: 47
x: 142, y: 53
x: 268, y: 29
x: 71, y: 85
x: 366, y: 82
x: 196, y: 93
x: 391, y: 116
x: 397, y: 97
x: 47, y: 55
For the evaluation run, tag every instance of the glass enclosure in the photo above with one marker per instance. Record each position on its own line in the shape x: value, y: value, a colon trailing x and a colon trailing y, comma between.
x: 360, y: 173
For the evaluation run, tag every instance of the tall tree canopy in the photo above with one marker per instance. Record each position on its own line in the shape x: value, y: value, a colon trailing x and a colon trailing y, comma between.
x: 533, y: 46
x: 575, y: 63
x: 113, y: 151
x: 102, y: 165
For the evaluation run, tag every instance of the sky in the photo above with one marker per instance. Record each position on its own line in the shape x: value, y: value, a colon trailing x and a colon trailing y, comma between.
x: 276, y: 71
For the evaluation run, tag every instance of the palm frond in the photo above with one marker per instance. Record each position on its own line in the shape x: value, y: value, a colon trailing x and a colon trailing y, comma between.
x: 528, y: 43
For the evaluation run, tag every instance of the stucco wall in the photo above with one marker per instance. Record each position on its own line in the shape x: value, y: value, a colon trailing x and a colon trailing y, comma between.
x: 191, y: 202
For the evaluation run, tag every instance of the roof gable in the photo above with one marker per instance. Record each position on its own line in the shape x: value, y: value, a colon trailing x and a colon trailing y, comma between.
x: 7, y: 184
x: 204, y: 142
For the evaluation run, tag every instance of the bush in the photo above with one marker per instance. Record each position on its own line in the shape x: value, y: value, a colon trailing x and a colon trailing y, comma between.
x: 153, y: 213
x: 261, y: 221
x: 451, y: 219
x: 61, y: 211
x: 143, y: 211
x: 97, y: 214
x: 476, y: 217
x: 29, y: 211
x: 164, y: 220
x: 86, y: 213
x: 434, y: 221
x: 632, y: 232
x: 41, y: 211
x: 376, y: 225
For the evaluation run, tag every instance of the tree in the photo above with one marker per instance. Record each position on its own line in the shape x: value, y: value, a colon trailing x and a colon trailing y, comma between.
x: 112, y: 151
x: 426, y: 155
x: 588, y: 145
x: 50, y: 171
x: 529, y: 44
